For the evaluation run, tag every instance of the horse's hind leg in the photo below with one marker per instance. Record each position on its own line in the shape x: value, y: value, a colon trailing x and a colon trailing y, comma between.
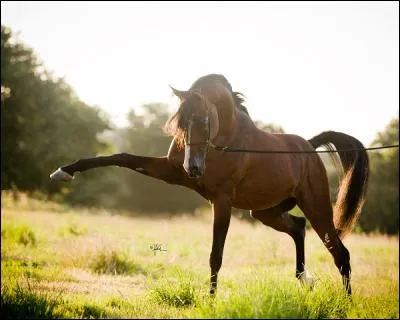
x: 278, y: 218
x: 315, y: 203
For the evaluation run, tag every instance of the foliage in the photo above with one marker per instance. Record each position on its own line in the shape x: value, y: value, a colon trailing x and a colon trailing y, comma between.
x: 43, y: 122
x: 269, y: 127
x: 381, y: 210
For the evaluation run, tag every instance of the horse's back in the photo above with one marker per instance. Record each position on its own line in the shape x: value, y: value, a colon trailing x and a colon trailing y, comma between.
x: 297, y: 144
x: 273, y: 177
x: 294, y: 142
x: 279, y: 141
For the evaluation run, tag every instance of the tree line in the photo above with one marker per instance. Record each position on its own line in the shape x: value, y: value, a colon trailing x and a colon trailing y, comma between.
x: 44, y: 124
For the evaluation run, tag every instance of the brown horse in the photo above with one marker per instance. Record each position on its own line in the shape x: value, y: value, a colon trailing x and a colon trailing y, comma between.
x: 269, y: 185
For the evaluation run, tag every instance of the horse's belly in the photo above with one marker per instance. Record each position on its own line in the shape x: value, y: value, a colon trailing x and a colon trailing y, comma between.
x: 253, y: 197
x: 256, y: 204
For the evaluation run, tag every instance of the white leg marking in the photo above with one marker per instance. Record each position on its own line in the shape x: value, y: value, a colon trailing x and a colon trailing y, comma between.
x: 307, y: 279
x: 60, y: 175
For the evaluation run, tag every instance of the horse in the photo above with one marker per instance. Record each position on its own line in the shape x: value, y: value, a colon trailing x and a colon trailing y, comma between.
x: 210, y: 114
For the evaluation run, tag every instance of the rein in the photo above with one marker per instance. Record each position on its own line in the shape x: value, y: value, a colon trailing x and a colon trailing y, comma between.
x: 229, y: 149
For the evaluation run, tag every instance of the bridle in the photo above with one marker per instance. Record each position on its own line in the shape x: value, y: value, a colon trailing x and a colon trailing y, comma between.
x: 207, y: 127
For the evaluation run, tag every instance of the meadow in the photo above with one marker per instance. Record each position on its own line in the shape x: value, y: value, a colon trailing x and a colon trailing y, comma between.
x: 62, y: 262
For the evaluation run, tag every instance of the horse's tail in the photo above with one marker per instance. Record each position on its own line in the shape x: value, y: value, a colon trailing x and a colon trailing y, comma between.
x: 353, y: 184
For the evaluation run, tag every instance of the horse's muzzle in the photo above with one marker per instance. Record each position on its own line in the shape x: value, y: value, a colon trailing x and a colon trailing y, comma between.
x: 194, y: 162
x: 195, y: 172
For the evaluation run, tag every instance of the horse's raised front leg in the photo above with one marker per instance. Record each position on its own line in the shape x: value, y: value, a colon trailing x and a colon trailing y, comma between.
x: 222, y: 215
x: 159, y: 168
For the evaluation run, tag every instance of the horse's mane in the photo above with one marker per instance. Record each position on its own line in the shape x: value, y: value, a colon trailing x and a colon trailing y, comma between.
x: 239, y: 99
x: 177, y: 123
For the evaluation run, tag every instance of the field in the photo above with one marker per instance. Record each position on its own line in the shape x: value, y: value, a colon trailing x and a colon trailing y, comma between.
x: 59, y: 262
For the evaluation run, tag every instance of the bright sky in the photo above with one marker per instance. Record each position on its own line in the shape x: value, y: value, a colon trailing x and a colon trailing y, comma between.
x: 307, y: 66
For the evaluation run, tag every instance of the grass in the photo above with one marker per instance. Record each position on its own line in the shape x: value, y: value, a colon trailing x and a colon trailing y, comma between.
x: 26, y: 302
x: 59, y: 262
x: 180, y: 291
x: 20, y: 234
x: 115, y: 263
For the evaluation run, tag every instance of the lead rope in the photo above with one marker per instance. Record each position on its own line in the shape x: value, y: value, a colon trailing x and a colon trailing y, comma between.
x: 229, y: 149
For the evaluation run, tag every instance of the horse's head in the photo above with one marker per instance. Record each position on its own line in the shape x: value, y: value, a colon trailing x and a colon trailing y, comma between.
x: 194, y: 126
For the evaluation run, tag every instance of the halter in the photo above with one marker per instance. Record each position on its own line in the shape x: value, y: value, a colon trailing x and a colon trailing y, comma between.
x: 207, y: 127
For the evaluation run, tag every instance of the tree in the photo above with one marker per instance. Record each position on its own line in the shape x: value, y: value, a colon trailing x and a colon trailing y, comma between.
x: 43, y: 122
x: 381, y: 209
x: 269, y: 127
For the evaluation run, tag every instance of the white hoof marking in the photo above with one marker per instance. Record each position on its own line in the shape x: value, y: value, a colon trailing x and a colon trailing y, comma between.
x: 60, y: 175
x: 307, y: 279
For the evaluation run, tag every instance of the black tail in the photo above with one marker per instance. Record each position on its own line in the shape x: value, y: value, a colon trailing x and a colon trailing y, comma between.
x: 353, y: 185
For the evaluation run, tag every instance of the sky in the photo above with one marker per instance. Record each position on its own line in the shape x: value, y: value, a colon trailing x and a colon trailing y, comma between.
x: 306, y: 66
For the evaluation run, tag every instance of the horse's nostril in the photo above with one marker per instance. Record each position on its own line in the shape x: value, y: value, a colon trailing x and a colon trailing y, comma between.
x: 194, y: 171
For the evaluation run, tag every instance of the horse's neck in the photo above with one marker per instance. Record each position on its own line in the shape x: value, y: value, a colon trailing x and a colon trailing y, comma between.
x: 223, y: 100
x: 241, y: 130
x: 226, y: 109
x: 227, y: 120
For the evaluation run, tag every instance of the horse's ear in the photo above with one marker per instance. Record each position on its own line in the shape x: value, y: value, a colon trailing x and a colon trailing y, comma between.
x: 180, y: 94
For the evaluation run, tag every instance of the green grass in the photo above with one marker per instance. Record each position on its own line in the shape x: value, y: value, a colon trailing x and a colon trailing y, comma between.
x: 114, y: 263
x: 72, y: 228
x: 57, y: 262
x: 25, y: 302
x: 178, y: 291
x: 20, y: 234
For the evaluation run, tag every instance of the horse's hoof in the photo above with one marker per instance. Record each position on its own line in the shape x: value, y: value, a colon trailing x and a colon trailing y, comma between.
x: 307, y: 279
x: 60, y: 175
